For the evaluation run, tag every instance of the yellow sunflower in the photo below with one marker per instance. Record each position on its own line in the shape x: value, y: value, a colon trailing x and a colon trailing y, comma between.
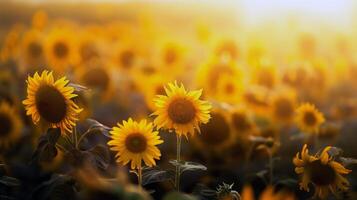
x: 322, y: 171
x: 135, y: 142
x: 227, y: 49
x: 10, y: 125
x: 308, y: 118
x: 61, y: 49
x: 51, y: 101
x: 242, y: 121
x: 39, y: 20
x: 181, y: 110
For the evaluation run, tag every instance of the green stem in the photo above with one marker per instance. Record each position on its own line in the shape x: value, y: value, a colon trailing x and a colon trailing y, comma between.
x: 178, y: 159
x: 140, y: 176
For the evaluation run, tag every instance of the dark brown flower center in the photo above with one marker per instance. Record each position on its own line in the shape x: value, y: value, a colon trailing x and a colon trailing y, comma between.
x: 321, y: 174
x: 310, y: 118
x: 136, y: 143
x: 34, y: 50
x: 284, y: 108
x: 96, y: 78
x: 241, y: 122
x: 181, y: 111
x: 215, y: 132
x: 6, y: 125
x: 229, y: 88
x: 148, y: 70
x: 126, y: 58
x: 51, y: 104
x: 60, y: 50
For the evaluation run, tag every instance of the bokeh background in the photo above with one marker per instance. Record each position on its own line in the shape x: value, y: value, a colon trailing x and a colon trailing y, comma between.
x: 255, y: 60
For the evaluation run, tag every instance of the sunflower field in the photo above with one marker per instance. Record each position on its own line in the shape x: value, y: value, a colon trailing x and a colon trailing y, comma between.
x: 178, y: 100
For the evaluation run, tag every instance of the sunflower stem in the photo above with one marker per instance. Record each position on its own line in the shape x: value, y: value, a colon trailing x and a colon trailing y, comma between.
x: 178, y: 159
x: 140, y: 176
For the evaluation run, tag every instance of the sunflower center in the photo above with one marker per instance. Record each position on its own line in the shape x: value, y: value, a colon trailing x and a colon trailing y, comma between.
x: 126, y: 58
x: 5, y: 125
x: 97, y: 77
x: 284, y: 108
x: 34, y: 49
x: 215, y: 132
x: 229, y: 88
x: 181, y: 111
x: 51, y: 104
x: 136, y: 143
x: 60, y: 49
x: 88, y: 52
x: 149, y: 70
x: 170, y: 56
x: 240, y: 122
x: 310, y: 118
x: 321, y: 174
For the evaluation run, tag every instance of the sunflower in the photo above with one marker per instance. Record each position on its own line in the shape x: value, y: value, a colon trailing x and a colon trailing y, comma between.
x: 217, y: 134
x: 242, y: 121
x: 265, y: 75
x: 282, y: 106
x: 229, y: 89
x: 32, y: 51
x: 98, y: 76
x: 227, y: 49
x: 151, y: 88
x: 10, y: 125
x: 256, y: 98
x: 126, y: 56
x: 308, y: 118
x: 181, y: 110
x: 208, y: 75
x: 135, y: 142
x: 269, y: 193
x: 322, y: 171
x: 61, y: 49
x: 51, y: 101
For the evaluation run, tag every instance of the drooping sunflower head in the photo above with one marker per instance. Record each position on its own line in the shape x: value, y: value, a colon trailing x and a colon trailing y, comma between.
x: 51, y: 101
x: 322, y: 171
x: 135, y: 142
x: 308, y: 118
x: 181, y: 110
x: 10, y: 125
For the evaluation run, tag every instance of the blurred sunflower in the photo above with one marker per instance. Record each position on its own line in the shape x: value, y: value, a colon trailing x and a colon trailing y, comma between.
x: 242, y: 121
x: 10, y: 125
x: 32, y: 51
x: 256, y: 98
x: 181, y: 110
x: 11, y: 43
x: 216, y: 135
x: 61, y: 49
x: 282, y: 106
x: 151, y: 88
x: 98, y: 76
x: 229, y: 89
x: 265, y: 75
x: 135, y: 142
x: 308, y: 118
x: 322, y: 171
x: 126, y: 56
x: 51, y: 101
x: 209, y: 74
x: 227, y: 50
x: 88, y: 47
